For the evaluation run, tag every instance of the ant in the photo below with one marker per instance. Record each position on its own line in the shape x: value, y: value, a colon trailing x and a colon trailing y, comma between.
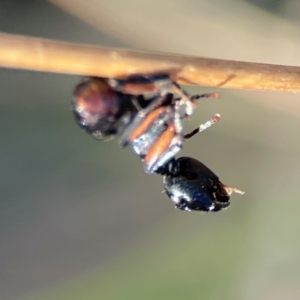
x: 144, y: 109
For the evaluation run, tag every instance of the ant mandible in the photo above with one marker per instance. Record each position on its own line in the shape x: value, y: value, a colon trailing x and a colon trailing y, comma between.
x: 145, y: 110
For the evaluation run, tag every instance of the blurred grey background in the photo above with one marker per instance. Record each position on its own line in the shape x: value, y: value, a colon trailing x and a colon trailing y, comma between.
x: 80, y: 220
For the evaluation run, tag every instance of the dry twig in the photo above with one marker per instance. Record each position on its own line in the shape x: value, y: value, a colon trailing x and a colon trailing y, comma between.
x: 22, y: 52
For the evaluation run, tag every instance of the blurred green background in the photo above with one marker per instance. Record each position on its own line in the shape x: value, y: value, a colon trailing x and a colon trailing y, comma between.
x: 80, y: 220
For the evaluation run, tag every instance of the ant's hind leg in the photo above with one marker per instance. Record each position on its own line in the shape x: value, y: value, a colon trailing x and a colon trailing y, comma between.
x: 209, y: 96
x: 204, y: 126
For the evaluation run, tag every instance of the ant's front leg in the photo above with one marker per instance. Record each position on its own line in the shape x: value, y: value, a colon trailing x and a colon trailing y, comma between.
x: 157, y: 84
x: 139, y: 85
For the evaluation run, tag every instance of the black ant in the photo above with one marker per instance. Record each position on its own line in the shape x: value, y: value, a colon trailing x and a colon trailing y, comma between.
x: 105, y: 107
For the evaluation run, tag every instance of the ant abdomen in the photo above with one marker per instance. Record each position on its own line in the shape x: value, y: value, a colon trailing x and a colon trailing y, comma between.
x: 193, y: 186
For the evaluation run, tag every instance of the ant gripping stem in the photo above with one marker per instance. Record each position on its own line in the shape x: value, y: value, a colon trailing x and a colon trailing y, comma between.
x: 153, y: 126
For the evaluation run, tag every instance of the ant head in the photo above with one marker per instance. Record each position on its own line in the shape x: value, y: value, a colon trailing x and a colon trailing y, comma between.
x: 192, y: 186
x: 97, y: 107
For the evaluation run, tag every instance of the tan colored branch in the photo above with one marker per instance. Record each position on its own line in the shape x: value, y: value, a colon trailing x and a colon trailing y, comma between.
x: 22, y: 52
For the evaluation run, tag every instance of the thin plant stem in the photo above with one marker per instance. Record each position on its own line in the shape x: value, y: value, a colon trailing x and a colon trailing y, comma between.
x: 36, y: 54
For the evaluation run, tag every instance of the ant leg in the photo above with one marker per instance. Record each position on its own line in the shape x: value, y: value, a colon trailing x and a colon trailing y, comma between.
x: 136, y: 104
x: 197, y: 97
x: 190, y: 100
x: 209, y: 96
x: 158, y: 84
x: 138, y: 85
x: 177, y: 118
x: 204, y: 126
x: 154, y: 103
x: 185, y: 98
